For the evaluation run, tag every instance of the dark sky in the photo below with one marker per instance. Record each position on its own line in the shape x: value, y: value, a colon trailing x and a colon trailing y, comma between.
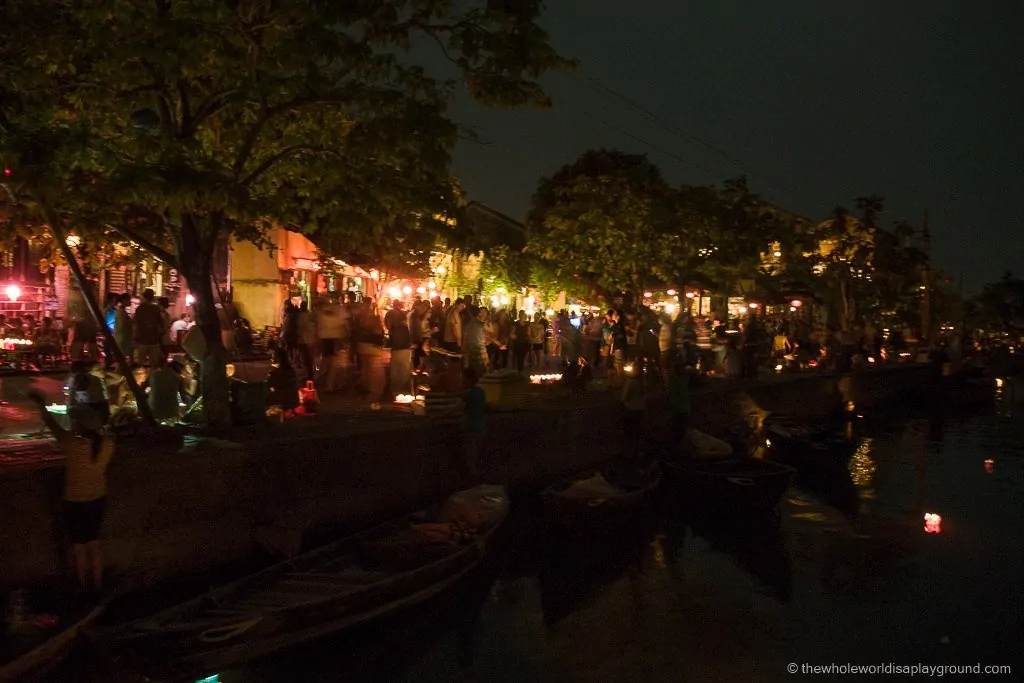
x: 817, y: 102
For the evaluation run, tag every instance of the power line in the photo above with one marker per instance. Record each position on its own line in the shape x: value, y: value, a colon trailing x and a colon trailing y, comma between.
x: 657, y: 148
x: 657, y: 120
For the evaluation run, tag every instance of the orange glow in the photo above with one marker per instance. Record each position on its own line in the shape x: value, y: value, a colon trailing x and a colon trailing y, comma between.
x: 932, y: 523
x: 690, y: 295
x: 796, y: 303
x: 990, y: 465
x: 647, y: 295
x: 754, y: 304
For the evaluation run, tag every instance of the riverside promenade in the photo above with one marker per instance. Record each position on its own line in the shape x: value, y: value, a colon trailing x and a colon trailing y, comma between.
x: 216, y: 501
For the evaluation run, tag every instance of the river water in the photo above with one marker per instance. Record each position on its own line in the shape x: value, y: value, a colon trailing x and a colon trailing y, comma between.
x: 847, y: 575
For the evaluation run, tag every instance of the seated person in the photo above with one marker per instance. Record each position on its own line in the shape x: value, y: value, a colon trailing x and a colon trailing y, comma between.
x: 47, y: 339
x: 282, y: 383
x: 431, y: 364
x: 163, y: 384
x: 87, y: 389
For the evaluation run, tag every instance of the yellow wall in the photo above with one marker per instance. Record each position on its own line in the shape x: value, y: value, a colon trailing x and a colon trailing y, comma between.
x: 256, y: 275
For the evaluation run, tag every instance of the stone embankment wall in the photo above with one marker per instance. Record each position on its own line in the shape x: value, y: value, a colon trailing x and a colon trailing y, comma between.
x: 172, y: 514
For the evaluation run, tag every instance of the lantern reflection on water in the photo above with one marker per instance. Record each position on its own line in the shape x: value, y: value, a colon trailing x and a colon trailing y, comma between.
x: 862, y: 467
x: 932, y: 523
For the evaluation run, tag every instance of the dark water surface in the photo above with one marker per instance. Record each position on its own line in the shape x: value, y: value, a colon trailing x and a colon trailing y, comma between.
x: 848, y: 574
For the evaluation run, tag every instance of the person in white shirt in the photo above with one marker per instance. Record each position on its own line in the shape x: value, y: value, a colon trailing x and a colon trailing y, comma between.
x: 180, y: 327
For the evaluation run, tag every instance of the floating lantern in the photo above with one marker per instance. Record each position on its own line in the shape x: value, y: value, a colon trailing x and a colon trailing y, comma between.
x: 989, y: 465
x: 778, y: 368
x: 999, y: 382
x: 932, y: 523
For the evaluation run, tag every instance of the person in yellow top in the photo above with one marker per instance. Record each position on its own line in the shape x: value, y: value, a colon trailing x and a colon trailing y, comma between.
x: 87, y: 453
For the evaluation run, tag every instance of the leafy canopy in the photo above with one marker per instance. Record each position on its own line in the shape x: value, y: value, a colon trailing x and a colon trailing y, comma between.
x: 180, y: 121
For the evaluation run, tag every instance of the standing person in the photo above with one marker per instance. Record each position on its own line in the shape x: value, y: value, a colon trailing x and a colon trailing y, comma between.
x: 418, y: 329
x: 307, y: 338
x: 678, y: 390
x: 536, y: 332
x: 474, y: 402
x: 520, y: 341
x: 148, y: 330
x: 452, y: 338
x: 330, y: 327
x: 476, y: 343
x: 665, y: 342
x: 165, y: 318
x: 123, y: 328
x: 503, y: 338
x: 87, y: 453
x: 397, y: 324
x: 369, y: 344
x: 634, y: 403
x: 354, y: 313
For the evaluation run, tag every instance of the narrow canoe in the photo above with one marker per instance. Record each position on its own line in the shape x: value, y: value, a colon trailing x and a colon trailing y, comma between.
x: 339, y: 586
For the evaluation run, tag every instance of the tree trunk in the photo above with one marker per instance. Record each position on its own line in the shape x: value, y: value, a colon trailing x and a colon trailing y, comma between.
x: 109, y: 344
x: 196, y: 262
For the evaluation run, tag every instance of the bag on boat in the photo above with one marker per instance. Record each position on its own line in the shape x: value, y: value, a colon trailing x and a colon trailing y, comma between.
x: 475, y: 508
x: 594, y: 487
x: 697, y: 444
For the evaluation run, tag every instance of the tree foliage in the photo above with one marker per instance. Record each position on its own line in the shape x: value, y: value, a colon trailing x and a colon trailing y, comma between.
x: 178, y: 123
x: 606, y: 218
x: 999, y: 306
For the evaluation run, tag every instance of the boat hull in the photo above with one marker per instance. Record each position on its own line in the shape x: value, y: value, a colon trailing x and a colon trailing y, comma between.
x: 341, y: 586
x: 734, y: 484
x: 580, y: 515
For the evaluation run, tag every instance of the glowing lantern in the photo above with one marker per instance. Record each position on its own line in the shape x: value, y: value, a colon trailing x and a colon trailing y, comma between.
x: 792, y: 309
x: 407, y: 290
x: 394, y: 292
x: 647, y: 295
x: 189, y: 299
x: 932, y: 523
x: 743, y: 309
x: 530, y: 301
x: 753, y: 304
x: 671, y: 292
x: 421, y: 290
x: 7, y: 172
x: 871, y: 359
x: 778, y: 368
x: 670, y: 308
x: 440, y: 270
x: 999, y: 382
x: 989, y: 465
x: 690, y: 295
x: 504, y: 301
x: 13, y: 292
x: 72, y: 241
x: 431, y: 285
x: 494, y: 301
x: 374, y: 274
x: 796, y: 303
x: 550, y: 312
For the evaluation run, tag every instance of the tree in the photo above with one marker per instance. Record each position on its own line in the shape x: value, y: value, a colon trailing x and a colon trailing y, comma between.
x: 179, y: 124
x: 606, y: 219
x: 844, y: 258
x: 999, y: 307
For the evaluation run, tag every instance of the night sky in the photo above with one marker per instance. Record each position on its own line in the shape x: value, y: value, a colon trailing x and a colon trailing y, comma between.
x: 817, y: 103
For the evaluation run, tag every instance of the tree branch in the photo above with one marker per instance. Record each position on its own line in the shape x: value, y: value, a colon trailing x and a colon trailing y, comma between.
x: 186, y: 109
x: 213, y: 104
x: 286, y: 152
x: 153, y: 249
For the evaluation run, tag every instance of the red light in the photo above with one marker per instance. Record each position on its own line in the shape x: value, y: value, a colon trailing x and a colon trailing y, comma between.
x: 989, y: 465
x: 932, y: 523
x: 7, y: 172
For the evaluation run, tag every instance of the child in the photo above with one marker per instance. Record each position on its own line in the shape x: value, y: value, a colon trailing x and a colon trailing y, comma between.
x: 87, y: 390
x: 475, y: 410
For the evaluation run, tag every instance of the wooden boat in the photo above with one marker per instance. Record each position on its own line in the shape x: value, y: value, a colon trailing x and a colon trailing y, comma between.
x: 738, y: 483
x: 583, y: 502
x: 789, y: 440
x: 35, y: 663
x: 353, y: 581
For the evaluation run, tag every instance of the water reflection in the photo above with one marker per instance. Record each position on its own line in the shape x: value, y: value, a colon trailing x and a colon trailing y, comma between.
x: 701, y: 594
